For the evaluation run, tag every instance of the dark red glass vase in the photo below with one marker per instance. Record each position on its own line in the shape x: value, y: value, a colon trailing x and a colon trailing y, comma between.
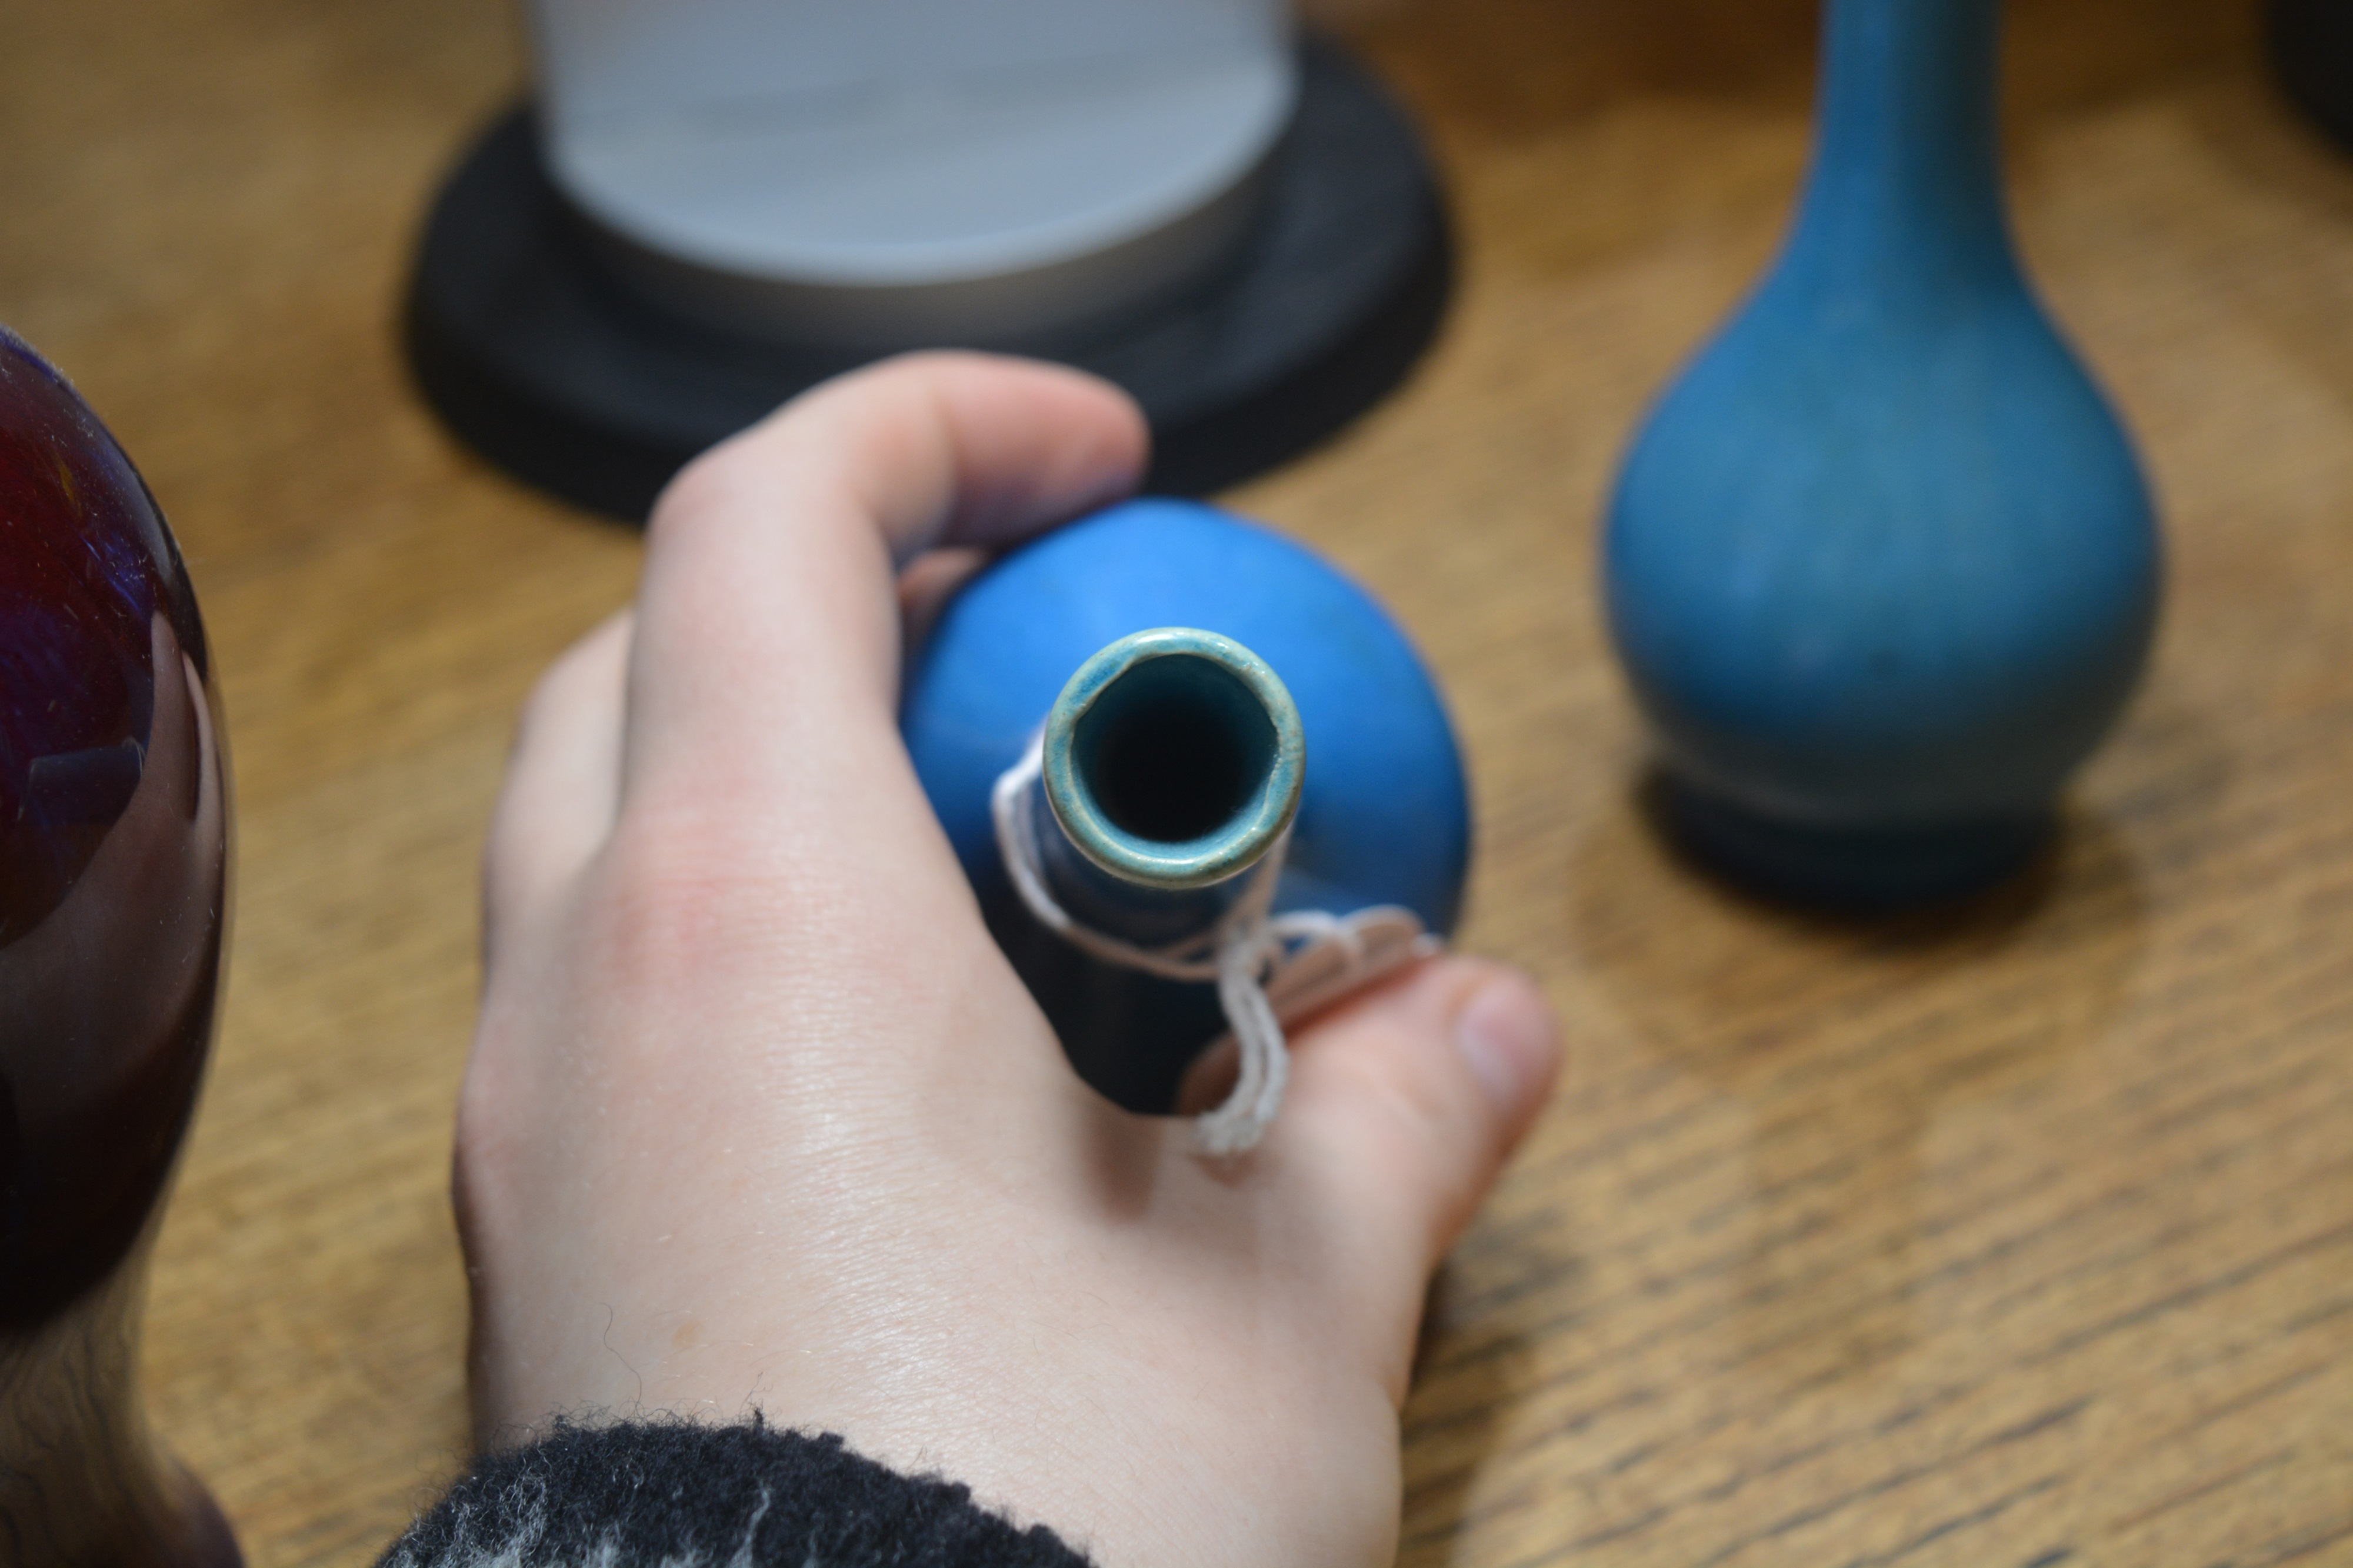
x: 114, y: 858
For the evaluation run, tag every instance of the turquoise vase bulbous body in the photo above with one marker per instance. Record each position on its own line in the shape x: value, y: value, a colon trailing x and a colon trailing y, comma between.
x: 1377, y: 813
x: 1882, y: 565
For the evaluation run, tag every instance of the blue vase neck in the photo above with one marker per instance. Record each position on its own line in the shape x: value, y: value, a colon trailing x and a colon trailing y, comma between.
x: 1903, y: 203
x: 1169, y: 766
x: 1148, y: 916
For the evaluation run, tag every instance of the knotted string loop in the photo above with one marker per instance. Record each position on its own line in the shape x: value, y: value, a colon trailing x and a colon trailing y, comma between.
x: 1266, y: 966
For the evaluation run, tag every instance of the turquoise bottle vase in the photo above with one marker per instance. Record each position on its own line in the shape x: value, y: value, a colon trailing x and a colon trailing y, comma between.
x: 1882, y: 565
x: 114, y: 861
x: 1195, y: 686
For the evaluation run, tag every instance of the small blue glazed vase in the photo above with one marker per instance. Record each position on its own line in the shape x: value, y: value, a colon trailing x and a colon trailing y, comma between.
x: 1882, y: 565
x: 1197, y: 685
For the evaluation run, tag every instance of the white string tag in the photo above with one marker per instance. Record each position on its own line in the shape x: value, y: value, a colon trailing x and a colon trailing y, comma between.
x: 1267, y: 967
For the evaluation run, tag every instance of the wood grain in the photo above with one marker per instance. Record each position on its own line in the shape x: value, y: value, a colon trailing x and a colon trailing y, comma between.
x: 2014, y: 1237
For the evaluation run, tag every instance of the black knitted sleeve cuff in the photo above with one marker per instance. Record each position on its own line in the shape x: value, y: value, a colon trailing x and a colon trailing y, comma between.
x: 649, y: 1493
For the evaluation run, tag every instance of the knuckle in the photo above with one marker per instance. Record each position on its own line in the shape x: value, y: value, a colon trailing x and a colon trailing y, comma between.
x: 705, y: 482
x: 707, y: 489
x: 740, y: 475
x: 549, y: 695
x: 661, y: 889
x: 685, y: 892
x: 1409, y: 1118
x: 1405, y: 1095
x: 489, y: 1146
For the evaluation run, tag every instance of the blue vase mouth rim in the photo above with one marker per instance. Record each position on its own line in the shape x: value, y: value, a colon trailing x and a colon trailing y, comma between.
x: 1227, y: 850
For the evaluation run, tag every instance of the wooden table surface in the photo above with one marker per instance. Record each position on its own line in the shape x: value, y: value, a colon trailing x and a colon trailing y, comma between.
x: 2018, y: 1235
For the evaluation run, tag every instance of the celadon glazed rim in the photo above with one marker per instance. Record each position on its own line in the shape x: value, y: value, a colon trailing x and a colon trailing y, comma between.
x: 1232, y: 848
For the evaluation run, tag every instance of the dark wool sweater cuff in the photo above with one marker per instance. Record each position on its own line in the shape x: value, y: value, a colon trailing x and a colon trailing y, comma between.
x: 649, y: 1493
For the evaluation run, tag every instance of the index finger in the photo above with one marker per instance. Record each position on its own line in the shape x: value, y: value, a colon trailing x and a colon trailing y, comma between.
x: 767, y: 632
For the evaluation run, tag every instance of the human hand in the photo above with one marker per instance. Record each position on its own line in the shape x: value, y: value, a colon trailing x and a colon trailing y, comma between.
x: 758, y: 1117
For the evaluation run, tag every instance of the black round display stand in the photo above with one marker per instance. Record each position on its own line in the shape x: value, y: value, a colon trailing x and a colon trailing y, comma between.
x: 552, y: 370
x: 2312, y: 50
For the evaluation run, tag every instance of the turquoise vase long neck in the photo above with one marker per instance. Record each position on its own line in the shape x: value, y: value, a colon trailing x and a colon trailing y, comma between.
x: 1904, y: 204
x: 1172, y: 764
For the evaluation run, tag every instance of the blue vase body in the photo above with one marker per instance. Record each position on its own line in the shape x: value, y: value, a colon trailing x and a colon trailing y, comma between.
x: 1383, y: 814
x: 1881, y: 564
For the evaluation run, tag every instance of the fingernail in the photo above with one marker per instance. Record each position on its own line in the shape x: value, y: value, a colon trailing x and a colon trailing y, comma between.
x: 1507, y: 1035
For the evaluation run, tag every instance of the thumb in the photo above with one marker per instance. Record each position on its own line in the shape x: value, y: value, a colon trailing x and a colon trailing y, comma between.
x: 1404, y: 1104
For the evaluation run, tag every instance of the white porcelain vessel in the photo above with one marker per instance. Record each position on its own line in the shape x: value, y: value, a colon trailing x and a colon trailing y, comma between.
x: 877, y: 173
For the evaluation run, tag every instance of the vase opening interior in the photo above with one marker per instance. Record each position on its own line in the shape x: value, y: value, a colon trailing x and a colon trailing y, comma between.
x: 1175, y: 749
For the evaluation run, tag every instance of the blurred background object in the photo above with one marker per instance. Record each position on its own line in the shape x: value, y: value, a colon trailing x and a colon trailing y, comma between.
x: 115, y: 833
x: 2312, y: 49
x: 712, y: 206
